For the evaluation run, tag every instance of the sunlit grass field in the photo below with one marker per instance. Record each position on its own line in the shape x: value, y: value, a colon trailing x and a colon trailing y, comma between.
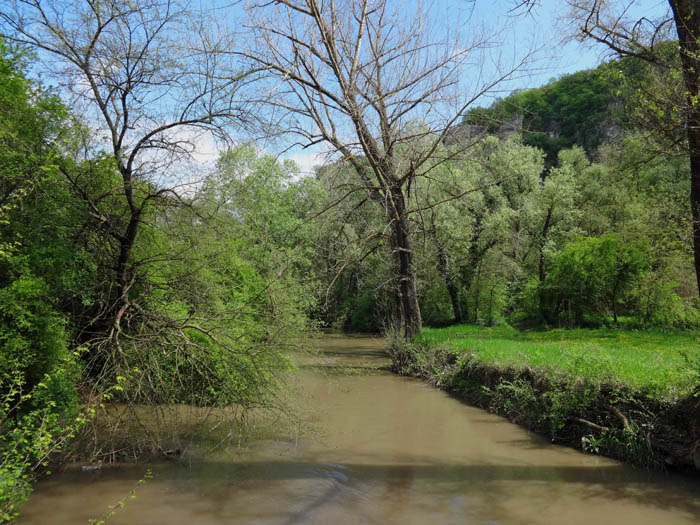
x: 652, y: 361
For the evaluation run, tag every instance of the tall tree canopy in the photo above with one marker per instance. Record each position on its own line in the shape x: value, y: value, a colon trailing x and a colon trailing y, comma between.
x: 150, y: 77
x: 381, y: 87
x: 610, y: 24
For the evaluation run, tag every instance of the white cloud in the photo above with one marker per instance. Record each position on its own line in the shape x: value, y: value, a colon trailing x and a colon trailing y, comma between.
x: 308, y: 159
x: 306, y: 162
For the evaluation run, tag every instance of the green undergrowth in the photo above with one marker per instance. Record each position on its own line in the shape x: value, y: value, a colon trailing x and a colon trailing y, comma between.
x: 658, y: 363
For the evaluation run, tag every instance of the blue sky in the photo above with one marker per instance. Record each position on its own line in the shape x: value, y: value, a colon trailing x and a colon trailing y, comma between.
x: 514, y: 33
x: 542, y: 25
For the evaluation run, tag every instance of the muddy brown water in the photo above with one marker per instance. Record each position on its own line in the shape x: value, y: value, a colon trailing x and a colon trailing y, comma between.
x: 377, y: 448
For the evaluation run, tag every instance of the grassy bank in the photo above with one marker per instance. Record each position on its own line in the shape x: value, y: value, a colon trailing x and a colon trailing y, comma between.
x: 658, y: 363
x: 627, y: 394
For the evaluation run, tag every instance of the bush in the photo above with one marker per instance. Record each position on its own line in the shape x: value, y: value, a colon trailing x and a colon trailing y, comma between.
x: 657, y: 303
x: 32, y: 334
x: 591, y: 277
x: 35, y: 424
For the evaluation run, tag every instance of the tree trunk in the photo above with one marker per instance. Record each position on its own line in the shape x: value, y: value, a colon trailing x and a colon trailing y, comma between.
x: 545, y: 230
x: 695, y: 201
x: 469, y: 270
x: 123, y: 268
x: 444, y: 270
x: 687, y: 19
x: 477, y: 295
x: 408, y: 314
x: 126, y: 245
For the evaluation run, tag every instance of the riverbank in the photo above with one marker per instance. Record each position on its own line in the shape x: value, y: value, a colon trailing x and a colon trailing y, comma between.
x: 632, y: 396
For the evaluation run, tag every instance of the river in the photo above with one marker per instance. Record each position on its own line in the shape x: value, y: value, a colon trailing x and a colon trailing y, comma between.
x: 378, y: 448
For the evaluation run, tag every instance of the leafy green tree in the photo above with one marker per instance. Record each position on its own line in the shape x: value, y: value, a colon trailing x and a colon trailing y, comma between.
x: 350, y: 263
x: 549, y: 214
x: 178, y: 301
x: 470, y: 239
x: 111, y: 55
x: 672, y: 101
x: 592, y: 276
x: 40, y: 273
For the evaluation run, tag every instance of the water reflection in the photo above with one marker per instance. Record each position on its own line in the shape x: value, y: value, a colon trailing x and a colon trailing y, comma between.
x: 385, y: 449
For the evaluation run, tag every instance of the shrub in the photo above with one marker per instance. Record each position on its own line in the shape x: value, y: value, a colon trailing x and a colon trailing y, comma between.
x: 591, y: 276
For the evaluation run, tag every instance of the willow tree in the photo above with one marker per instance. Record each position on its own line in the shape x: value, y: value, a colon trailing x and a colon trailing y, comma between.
x: 673, y: 110
x: 381, y: 86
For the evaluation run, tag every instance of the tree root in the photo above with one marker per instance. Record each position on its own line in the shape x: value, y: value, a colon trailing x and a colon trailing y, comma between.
x: 590, y: 424
x: 625, y: 422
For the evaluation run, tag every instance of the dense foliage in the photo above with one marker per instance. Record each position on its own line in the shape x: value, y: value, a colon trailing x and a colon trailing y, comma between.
x: 568, y: 243
x: 216, y: 293
x: 123, y: 277
x: 40, y: 271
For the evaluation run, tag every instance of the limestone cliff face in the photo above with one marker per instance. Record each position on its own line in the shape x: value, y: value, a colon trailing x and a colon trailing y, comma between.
x: 465, y: 132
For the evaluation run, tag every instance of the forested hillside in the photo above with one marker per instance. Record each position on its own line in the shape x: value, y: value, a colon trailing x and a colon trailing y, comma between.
x: 581, y: 109
x: 588, y: 108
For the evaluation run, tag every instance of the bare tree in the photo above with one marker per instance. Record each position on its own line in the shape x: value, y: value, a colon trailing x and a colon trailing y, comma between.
x: 647, y: 38
x: 148, y: 75
x: 382, y: 87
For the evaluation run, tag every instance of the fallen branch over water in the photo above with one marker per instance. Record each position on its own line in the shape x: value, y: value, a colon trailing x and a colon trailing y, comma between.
x: 621, y: 417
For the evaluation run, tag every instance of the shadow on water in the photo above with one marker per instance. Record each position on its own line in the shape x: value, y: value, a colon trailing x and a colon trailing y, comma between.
x: 369, y: 353
x: 612, y: 481
x: 281, y: 470
x: 347, y: 369
x: 532, y: 442
x: 302, y: 515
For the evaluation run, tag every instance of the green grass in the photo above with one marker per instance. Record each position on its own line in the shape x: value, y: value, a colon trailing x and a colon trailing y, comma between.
x: 651, y: 360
